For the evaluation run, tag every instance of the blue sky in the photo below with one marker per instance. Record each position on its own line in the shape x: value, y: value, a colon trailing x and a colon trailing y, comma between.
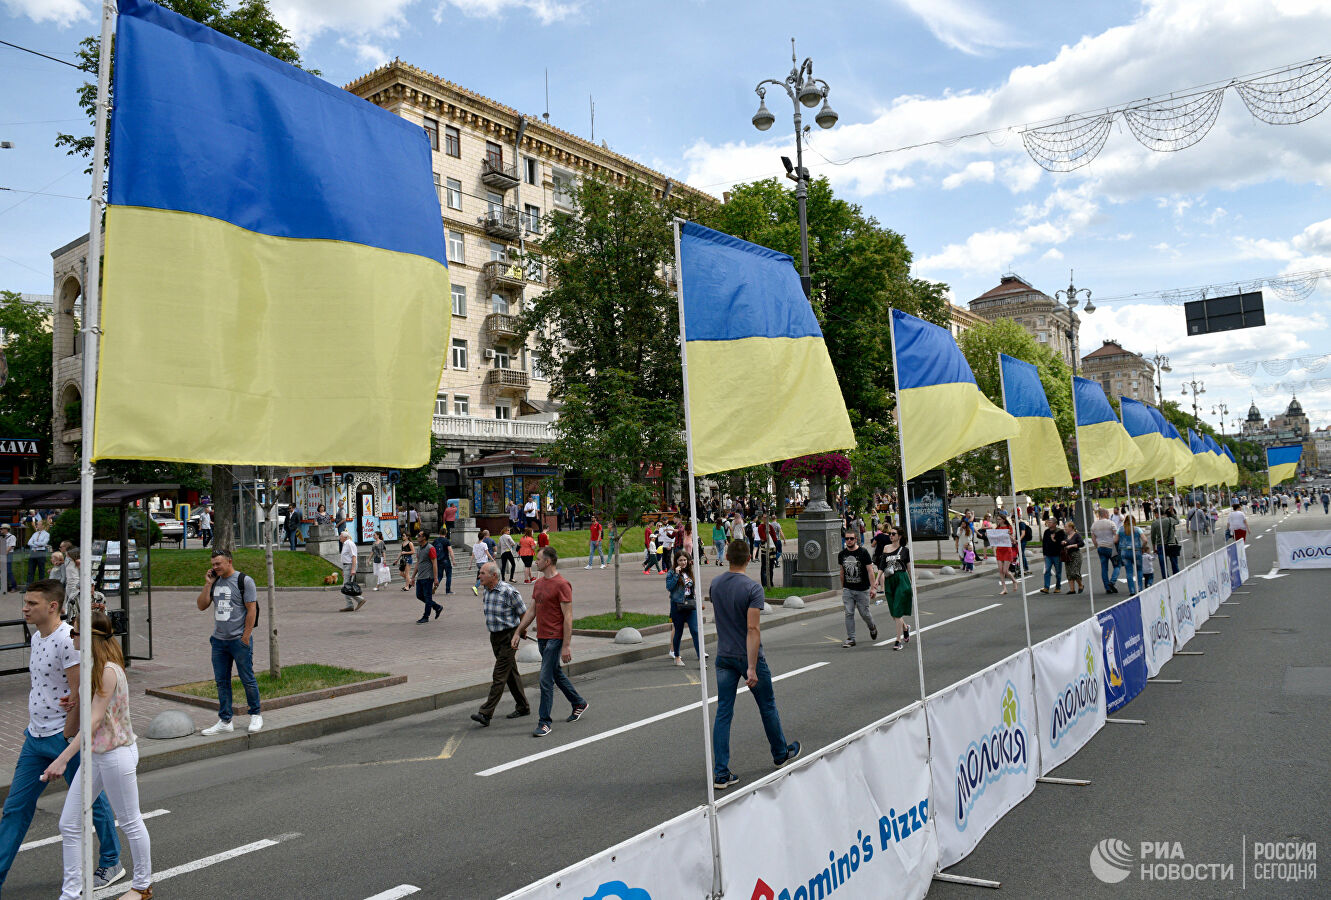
x: 673, y: 85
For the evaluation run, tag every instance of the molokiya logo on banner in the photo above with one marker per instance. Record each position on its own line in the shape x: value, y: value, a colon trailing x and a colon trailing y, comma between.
x: 1212, y: 586
x: 893, y: 828
x: 1004, y: 751
x: 1183, y: 613
x: 1160, y: 632
x: 1079, y: 696
x: 1311, y: 552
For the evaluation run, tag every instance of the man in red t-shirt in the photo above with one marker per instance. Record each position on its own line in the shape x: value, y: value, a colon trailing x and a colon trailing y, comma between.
x: 594, y: 543
x: 552, y: 608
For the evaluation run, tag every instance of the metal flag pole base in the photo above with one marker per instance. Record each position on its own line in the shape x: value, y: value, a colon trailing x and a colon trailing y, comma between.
x: 1189, y: 652
x: 1126, y: 721
x: 966, y: 879
x: 1075, y: 782
x: 1164, y: 681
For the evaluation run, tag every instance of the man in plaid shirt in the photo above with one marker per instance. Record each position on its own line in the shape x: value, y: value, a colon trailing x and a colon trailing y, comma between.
x: 503, y: 612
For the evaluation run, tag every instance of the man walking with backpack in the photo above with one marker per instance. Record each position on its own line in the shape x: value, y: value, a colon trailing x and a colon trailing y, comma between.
x: 235, y: 602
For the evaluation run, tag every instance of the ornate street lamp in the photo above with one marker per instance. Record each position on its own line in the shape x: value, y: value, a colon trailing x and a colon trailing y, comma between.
x: 1070, y: 294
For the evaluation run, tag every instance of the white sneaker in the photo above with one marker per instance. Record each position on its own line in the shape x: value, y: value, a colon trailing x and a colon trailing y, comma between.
x: 602, y: 565
x: 256, y: 724
x: 588, y: 566
x: 220, y: 728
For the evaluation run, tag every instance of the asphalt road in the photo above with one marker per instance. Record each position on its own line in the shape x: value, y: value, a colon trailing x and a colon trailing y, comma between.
x: 435, y: 803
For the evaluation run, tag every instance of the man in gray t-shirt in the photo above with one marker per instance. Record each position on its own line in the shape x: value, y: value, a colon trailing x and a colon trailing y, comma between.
x: 737, y: 601
x: 235, y: 602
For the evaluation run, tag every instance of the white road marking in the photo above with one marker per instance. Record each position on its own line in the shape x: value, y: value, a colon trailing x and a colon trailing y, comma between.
x: 31, y: 845
x: 402, y: 890
x: 650, y: 720
x: 204, y: 863
x: 973, y: 612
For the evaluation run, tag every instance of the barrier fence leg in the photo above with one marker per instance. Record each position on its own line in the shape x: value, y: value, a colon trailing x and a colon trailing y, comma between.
x: 966, y: 879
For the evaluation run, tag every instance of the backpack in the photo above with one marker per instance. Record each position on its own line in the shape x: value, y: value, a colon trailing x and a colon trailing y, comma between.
x: 440, y: 550
x: 240, y: 586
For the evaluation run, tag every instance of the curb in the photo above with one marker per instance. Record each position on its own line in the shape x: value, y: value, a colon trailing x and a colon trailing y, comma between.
x: 290, y: 699
x: 196, y: 748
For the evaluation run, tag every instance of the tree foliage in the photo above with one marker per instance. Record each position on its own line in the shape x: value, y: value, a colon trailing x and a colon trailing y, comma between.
x: 421, y: 485
x: 25, y: 400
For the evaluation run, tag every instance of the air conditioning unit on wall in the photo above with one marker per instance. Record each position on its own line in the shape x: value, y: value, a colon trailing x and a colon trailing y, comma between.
x: 489, y: 353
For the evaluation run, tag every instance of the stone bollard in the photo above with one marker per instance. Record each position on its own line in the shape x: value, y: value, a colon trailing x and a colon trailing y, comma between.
x: 628, y: 636
x: 794, y: 602
x: 172, y: 723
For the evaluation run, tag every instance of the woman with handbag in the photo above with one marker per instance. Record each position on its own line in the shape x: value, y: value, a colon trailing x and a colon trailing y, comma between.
x: 379, y: 560
x: 683, y: 604
x: 1005, y: 556
x: 896, y: 583
x: 405, y: 562
x: 507, y: 560
x: 1072, y: 546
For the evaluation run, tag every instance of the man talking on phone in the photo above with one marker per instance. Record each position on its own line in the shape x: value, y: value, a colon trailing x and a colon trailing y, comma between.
x: 235, y: 602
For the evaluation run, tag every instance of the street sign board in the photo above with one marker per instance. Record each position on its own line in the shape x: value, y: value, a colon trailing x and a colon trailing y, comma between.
x: 1244, y: 310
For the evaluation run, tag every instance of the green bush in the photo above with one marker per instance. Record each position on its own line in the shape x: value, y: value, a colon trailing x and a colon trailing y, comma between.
x: 105, y: 526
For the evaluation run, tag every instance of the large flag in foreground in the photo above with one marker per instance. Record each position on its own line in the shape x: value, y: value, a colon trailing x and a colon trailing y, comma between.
x: 1103, y: 446
x: 941, y: 411
x: 1282, y: 462
x: 1232, y: 473
x: 1038, y: 459
x: 744, y: 311
x: 276, y: 285
x: 1158, y: 459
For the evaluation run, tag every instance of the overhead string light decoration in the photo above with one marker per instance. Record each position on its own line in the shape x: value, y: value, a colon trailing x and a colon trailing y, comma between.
x: 1290, y: 96
x: 1277, y: 367
x: 1291, y: 288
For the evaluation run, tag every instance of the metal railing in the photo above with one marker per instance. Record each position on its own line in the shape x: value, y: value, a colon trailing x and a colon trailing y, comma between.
x: 499, y: 429
x: 515, y: 379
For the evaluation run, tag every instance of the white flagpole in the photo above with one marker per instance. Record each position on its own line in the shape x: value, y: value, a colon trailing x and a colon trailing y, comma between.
x: 1016, y: 511
x: 702, y: 637
x: 1081, y: 483
x: 91, y: 342
x: 905, y: 504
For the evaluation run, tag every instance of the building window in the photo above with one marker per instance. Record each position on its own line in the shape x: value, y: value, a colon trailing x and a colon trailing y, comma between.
x: 459, y: 300
x: 498, y: 252
x: 1042, y: 337
x: 499, y: 304
x: 494, y: 155
x: 563, y: 189
x: 532, y: 215
x: 494, y: 203
x: 503, y: 409
x: 530, y: 170
x: 441, y: 405
x: 502, y: 359
x: 432, y: 132
x: 459, y: 354
x: 439, y: 188
x: 461, y: 405
x: 536, y: 371
x: 452, y: 142
x: 535, y: 268
x: 457, y: 247
x: 453, y: 194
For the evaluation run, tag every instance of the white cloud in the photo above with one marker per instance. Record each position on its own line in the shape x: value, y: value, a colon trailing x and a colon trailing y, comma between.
x: 370, y: 54
x: 982, y: 170
x: 961, y: 24
x: 63, y: 13
x: 1053, y: 254
x: 546, y: 11
x: 307, y: 18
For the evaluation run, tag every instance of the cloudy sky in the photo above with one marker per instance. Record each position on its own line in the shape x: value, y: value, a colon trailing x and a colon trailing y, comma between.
x: 673, y: 86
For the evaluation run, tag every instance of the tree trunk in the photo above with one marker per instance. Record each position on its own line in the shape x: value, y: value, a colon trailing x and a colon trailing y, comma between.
x: 781, y: 485
x: 619, y: 602
x: 223, y: 512
x: 270, y: 534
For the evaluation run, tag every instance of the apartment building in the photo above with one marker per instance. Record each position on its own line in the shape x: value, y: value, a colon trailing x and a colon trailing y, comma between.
x: 1121, y: 372
x: 1051, y: 322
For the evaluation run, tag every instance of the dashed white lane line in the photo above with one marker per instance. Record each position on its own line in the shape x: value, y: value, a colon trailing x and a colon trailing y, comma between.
x: 650, y: 720
x: 402, y: 890
x: 205, y: 862
x: 32, y: 845
x: 973, y: 612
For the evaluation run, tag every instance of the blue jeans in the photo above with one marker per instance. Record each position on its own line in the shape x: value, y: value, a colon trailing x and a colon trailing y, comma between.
x: 1106, y: 554
x: 730, y: 671
x: 552, y: 673
x: 594, y: 550
x: 681, y: 619
x: 447, y: 568
x: 225, y: 653
x: 425, y: 594
x: 36, y: 755
x: 1054, y: 563
x: 1128, y: 569
x: 292, y: 535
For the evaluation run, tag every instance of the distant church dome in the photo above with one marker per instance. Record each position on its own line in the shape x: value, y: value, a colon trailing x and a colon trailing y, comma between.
x: 1294, y: 408
x: 1253, y: 414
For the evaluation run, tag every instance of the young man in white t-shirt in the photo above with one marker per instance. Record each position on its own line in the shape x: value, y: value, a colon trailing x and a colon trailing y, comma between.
x: 54, y: 671
x: 481, y: 554
x: 1238, y: 523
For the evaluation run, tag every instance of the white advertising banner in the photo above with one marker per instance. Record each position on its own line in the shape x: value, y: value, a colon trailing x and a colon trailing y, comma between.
x: 1222, y: 587
x: 1180, y: 608
x: 1157, y: 625
x: 984, y: 749
x: 1243, y: 560
x: 1069, y: 691
x: 1198, y: 576
x: 673, y: 859
x: 852, y: 821
x: 1303, y: 549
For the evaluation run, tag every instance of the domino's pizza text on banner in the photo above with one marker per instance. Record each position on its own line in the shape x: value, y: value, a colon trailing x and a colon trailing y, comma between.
x: 1197, y: 578
x: 1223, y: 586
x: 1069, y: 691
x: 1125, y: 658
x: 1157, y: 626
x: 1303, y: 549
x: 984, y: 746
x: 1180, y: 609
x: 1235, y: 572
x: 674, y: 859
x: 849, y: 822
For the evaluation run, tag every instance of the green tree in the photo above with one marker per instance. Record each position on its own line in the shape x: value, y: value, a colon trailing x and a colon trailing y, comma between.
x: 250, y: 22
x: 25, y: 400
x: 421, y: 485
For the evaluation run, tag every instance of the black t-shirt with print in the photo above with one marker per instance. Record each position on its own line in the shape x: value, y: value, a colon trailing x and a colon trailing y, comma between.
x: 855, y: 567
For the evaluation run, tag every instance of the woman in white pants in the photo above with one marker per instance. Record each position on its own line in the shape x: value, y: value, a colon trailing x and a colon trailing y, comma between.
x: 115, y: 756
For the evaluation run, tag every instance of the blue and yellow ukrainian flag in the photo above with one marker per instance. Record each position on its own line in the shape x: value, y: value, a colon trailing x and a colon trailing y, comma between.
x: 1158, y: 459
x: 276, y: 285
x: 1037, y: 455
x: 1220, y: 465
x: 941, y: 411
x: 1203, y: 470
x: 1282, y: 462
x: 1179, y: 447
x: 744, y: 311
x: 1103, y: 446
x: 1232, y: 473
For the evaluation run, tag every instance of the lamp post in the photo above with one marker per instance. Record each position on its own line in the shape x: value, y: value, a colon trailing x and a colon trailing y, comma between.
x: 1161, y: 363
x: 1221, y: 410
x: 1196, y: 387
x: 1070, y: 294
x: 802, y: 88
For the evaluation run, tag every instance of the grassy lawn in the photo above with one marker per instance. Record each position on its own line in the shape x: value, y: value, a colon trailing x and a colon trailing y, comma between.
x: 295, y: 680
x: 185, y: 568
x: 780, y: 593
x: 574, y: 543
x: 608, y: 622
x: 938, y: 562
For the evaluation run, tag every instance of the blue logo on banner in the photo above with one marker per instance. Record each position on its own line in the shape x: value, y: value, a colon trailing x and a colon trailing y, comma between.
x: 1125, y: 659
x: 618, y: 890
x: 1235, y: 576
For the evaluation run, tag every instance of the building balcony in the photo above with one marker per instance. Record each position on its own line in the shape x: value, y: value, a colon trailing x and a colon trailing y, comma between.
x: 499, y: 176
x: 507, y: 381
x: 501, y: 223
x: 493, y: 429
x: 501, y: 327
x: 500, y: 275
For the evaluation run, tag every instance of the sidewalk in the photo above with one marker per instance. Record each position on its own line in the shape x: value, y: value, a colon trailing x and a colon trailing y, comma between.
x: 446, y: 661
